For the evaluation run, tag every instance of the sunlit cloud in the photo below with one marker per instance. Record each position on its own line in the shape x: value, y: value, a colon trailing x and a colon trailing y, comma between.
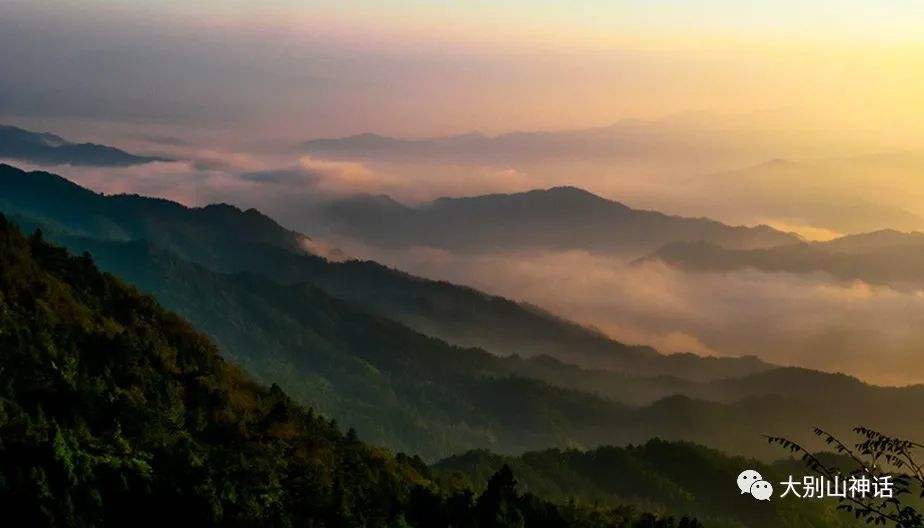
x: 809, y: 320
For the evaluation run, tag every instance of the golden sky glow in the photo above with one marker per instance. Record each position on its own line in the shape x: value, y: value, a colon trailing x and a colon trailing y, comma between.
x: 832, y: 70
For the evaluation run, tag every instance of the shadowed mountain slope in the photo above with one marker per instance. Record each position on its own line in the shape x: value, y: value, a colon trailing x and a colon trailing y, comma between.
x: 323, y: 331
x: 115, y: 412
x: 559, y: 218
x: 225, y: 239
x: 48, y: 149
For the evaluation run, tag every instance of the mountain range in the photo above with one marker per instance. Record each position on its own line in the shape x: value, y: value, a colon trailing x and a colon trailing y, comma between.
x: 837, y: 195
x: 672, y: 166
x: 225, y: 239
x: 629, y: 139
x: 116, y: 412
x: 43, y: 148
x: 885, y: 257
x: 354, y: 338
x: 559, y: 218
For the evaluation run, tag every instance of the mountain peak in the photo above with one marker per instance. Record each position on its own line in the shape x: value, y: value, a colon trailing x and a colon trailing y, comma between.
x: 560, y: 217
x: 552, y: 200
x: 576, y: 196
x: 222, y: 207
x: 570, y: 190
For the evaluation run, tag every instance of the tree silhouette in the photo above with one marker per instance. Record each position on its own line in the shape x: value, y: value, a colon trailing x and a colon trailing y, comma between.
x: 874, y: 454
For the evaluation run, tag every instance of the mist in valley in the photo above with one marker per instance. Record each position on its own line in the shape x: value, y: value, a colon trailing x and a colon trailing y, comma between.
x: 813, y: 320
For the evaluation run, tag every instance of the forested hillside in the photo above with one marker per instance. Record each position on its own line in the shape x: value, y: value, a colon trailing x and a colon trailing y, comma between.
x: 115, y: 412
x: 225, y: 239
x: 409, y: 392
x: 397, y: 387
x: 325, y: 333
x: 658, y: 475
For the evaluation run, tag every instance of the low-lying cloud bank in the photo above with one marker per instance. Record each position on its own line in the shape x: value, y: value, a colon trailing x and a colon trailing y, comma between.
x: 807, y: 320
x: 872, y: 332
x: 283, y: 184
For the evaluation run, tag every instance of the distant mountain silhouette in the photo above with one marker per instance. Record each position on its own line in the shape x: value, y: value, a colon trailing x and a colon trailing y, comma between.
x: 625, y: 140
x: 48, y: 149
x: 881, y: 257
x: 884, y: 240
x: 556, y: 218
x: 194, y: 233
x: 799, y: 194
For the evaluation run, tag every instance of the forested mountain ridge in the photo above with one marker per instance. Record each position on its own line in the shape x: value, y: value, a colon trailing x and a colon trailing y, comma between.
x: 409, y: 392
x: 115, y: 412
x: 399, y: 388
x: 226, y: 239
x: 213, y: 234
x: 657, y: 475
x: 325, y: 333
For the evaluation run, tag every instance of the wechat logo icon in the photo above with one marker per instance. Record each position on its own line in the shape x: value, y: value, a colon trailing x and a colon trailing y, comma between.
x: 750, y: 481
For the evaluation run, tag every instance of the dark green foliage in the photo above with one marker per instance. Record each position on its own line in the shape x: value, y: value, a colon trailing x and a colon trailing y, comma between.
x: 115, y: 412
x: 397, y: 387
x: 874, y: 455
x: 668, y: 477
x: 212, y: 234
x: 326, y: 333
x: 409, y: 392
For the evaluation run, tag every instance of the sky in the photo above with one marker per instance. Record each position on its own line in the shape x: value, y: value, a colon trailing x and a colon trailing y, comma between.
x: 303, y: 69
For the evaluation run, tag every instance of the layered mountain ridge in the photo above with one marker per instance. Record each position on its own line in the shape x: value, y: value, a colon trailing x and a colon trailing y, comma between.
x: 559, y: 218
x: 43, y: 148
x: 352, y: 339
